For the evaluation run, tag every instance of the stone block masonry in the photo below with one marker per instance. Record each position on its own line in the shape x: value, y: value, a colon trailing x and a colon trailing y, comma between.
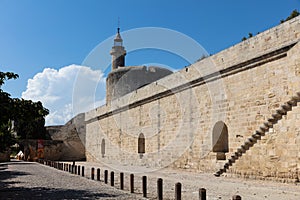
x: 198, y: 117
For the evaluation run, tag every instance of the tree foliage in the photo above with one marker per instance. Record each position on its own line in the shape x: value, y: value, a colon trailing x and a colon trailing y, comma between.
x: 294, y: 14
x: 6, y: 76
x: 6, y: 137
x: 29, y: 119
x: 25, y: 117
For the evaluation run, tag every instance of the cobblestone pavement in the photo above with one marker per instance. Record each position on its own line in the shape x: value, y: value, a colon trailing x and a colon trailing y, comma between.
x: 28, y: 180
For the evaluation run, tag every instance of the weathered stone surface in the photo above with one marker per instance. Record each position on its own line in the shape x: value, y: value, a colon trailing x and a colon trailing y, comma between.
x: 52, y: 149
x: 124, y: 80
x: 242, y: 86
x: 72, y: 134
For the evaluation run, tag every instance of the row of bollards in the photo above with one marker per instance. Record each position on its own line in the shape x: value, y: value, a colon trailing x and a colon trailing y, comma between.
x: 74, y: 169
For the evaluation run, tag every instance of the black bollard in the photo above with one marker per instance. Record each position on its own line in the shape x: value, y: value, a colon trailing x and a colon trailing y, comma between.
x: 98, y: 174
x: 159, y: 189
x: 78, y: 170
x: 178, y: 191
x: 144, y: 182
x: 122, y: 181
x: 112, y: 178
x: 131, y: 183
x: 236, y: 197
x: 73, y: 167
x: 202, y: 194
x: 105, y: 176
x: 92, y: 173
x: 82, y: 171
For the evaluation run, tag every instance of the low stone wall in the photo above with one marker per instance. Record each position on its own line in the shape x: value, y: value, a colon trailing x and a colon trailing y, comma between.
x: 52, y: 149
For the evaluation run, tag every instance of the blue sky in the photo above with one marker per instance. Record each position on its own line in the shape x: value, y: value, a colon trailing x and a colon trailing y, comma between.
x: 53, y: 34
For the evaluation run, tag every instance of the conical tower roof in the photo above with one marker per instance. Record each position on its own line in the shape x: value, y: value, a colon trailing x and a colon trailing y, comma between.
x: 118, y: 36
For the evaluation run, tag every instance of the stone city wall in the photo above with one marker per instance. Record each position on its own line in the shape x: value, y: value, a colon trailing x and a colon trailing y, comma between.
x: 72, y: 135
x: 178, y: 117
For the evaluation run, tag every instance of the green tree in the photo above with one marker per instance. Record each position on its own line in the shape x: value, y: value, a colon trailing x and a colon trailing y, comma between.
x: 26, y: 117
x: 29, y: 119
x: 6, y: 106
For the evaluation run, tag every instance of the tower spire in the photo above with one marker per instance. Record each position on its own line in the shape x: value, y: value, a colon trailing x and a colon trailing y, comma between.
x: 118, y: 51
x: 118, y: 24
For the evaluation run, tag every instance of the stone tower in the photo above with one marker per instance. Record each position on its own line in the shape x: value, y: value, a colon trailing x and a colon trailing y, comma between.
x: 118, y: 52
x: 125, y: 79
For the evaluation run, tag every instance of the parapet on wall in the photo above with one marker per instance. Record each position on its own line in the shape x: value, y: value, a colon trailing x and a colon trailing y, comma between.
x: 239, y: 87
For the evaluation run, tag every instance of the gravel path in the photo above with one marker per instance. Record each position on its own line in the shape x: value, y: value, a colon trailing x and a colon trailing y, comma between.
x: 28, y: 180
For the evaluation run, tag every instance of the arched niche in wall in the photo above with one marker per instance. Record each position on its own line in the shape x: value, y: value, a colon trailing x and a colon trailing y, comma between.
x: 220, y: 140
x: 103, y: 148
x: 141, y: 144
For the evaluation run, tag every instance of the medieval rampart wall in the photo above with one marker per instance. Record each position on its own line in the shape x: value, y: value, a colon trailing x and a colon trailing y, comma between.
x: 176, y: 118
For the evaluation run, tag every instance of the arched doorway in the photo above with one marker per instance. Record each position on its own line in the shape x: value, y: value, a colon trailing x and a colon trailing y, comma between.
x: 220, y: 140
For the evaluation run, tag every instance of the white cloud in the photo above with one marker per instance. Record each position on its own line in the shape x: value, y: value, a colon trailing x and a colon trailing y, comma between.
x: 66, y: 92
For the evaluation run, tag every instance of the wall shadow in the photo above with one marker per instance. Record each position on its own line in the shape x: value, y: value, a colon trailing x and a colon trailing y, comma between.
x: 9, y: 189
x: 51, y: 193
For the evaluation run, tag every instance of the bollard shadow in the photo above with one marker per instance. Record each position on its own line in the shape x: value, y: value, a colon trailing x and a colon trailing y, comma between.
x: 52, y: 193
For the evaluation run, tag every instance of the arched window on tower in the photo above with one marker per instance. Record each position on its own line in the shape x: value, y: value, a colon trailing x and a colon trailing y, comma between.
x: 103, y: 148
x: 141, y: 144
x: 220, y: 140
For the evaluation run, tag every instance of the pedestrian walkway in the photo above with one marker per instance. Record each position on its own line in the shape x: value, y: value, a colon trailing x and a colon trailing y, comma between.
x: 29, y: 180
x: 216, y: 187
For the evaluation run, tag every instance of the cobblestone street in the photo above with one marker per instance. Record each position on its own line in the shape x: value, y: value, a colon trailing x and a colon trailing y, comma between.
x: 28, y: 180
